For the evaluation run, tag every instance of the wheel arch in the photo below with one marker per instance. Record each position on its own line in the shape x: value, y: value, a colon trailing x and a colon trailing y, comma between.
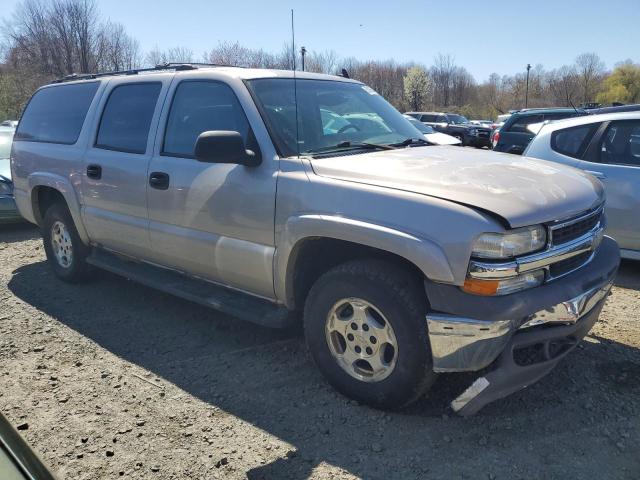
x: 45, y: 190
x: 313, y: 244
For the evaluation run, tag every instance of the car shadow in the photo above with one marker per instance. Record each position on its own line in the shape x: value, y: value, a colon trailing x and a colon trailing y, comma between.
x: 18, y: 232
x: 265, y: 378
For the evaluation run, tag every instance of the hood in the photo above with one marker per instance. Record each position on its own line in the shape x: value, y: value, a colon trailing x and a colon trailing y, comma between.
x: 5, y: 168
x: 522, y: 191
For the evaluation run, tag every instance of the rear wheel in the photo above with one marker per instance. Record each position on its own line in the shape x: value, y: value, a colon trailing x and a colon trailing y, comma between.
x: 65, y: 251
x: 366, y: 330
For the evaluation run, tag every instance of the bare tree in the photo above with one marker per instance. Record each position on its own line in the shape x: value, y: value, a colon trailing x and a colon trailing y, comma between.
x: 591, y: 71
x: 172, y: 55
x: 322, y: 62
x: 563, y: 85
x: 442, y: 74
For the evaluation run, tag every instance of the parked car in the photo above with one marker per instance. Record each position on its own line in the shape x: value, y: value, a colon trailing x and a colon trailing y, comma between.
x: 221, y: 185
x: 8, y: 209
x: 635, y: 107
x: 9, y: 123
x: 17, y: 460
x: 456, y: 126
x: 608, y: 147
x: 522, y: 126
x: 482, y: 123
x: 433, y: 137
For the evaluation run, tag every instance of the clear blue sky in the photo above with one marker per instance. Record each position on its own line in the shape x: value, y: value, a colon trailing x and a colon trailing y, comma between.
x: 483, y: 36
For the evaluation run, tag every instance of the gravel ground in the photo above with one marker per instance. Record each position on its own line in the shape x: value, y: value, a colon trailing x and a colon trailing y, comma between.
x: 113, y: 379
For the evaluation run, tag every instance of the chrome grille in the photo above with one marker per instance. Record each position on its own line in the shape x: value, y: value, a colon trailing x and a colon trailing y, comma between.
x: 573, y: 229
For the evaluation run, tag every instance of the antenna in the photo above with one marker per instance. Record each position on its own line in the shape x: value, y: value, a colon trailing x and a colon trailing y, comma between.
x: 295, y: 83
x: 574, y: 107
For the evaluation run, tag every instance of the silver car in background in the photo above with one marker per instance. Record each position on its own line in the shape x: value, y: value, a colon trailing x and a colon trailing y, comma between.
x: 8, y: 209
x: 608, y: 147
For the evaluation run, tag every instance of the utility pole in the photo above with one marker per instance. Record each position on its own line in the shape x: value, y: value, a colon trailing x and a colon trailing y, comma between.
x: 526, y: 95
x: 303, y: 52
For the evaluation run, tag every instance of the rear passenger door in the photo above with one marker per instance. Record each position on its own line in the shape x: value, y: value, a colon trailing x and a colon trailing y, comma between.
x: 614, y: 157
x: 116, y: 162
x: 211, y: 220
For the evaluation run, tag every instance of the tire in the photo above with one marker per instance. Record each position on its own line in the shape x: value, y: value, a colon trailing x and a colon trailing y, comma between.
x: 64, y: 249
x: 391, y: 295
x: 463, y: 143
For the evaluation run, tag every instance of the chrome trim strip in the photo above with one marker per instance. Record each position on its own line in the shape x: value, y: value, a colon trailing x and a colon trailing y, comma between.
x: 496, y: 271
x: 565, y: 223
x: 570, y: 311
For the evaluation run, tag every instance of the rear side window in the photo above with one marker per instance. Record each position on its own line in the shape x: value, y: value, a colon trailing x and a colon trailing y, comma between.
x: 428, y: 118
x: 521, y: 124
x: 621, y: 143
x: 126, y: 118
x: 201, y: 106
x: 56, y: 114
x: 572, y: 141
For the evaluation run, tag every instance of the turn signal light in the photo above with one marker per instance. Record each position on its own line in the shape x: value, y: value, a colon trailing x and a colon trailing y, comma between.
x: 481, y: 287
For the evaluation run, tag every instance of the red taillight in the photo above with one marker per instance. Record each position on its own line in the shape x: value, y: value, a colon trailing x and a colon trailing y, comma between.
x: 496, y: 137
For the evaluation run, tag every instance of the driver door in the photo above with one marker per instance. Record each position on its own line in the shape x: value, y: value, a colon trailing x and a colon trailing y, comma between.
x: 211, y: 220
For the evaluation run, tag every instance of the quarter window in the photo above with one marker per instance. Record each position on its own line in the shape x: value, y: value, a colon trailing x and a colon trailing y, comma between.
x: 572, y: 141
x: 621, y: 143
x: 56, y: 114
x: 126, y: 118
x: 428, y: 118
x: 201, y: 106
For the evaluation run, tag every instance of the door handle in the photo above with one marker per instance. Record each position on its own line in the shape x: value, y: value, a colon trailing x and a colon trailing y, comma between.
x: 596, y: 174
x: 159, y: 180
x: 94, y: 171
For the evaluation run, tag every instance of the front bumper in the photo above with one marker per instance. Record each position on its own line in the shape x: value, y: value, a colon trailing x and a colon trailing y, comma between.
x: 8, y: 209
x: 471, y: 333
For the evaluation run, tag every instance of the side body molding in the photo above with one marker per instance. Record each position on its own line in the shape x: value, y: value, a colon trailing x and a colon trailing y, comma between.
x: 62, y: 185
x: 423, y: 253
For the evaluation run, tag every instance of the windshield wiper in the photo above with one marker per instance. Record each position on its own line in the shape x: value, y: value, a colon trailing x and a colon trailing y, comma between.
x: 410, y: 141
x: 349, y: 144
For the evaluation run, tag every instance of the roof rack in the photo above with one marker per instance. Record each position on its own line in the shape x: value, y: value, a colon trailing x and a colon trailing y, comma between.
x: 162, y: 66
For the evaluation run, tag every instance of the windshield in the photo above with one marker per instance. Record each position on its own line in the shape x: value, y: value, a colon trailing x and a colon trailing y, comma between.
x: 332, y: 115
x: 5, y: 144
x: 457, y: 119
x: 421, y: 126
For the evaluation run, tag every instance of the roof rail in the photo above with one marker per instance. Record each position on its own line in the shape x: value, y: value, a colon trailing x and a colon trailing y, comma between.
x: 162, y: 66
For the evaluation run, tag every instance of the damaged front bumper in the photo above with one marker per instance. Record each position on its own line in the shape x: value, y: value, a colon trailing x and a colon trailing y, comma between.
x: 516, y: 339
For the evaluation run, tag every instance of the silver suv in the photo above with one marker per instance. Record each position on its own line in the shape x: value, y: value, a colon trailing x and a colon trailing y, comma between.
x: 272, y: 198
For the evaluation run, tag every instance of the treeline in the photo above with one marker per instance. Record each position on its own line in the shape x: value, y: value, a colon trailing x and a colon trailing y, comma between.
x: 48, y: 39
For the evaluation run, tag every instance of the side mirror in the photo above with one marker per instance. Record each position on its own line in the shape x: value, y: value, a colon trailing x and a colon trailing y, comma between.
x: 224, y: 146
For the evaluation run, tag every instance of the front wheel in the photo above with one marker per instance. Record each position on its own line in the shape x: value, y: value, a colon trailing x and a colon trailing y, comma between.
x: 366, y: 330
x: 65, y: 251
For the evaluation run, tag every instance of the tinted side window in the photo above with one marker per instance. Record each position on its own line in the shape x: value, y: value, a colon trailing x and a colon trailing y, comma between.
x: 442, y: 119
x: 520, y: 124
x: 127, y: 117
x: 428, y: 118
x: 572, y: 141
x: 56, y: 114
x: 200, y: 106
x: 621, y: 143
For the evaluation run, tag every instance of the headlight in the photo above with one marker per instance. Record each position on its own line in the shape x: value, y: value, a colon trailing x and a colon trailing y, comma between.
x: 510, y: 244
x: 473, y: 131
x: 504, y: 286
x: 6, y: 187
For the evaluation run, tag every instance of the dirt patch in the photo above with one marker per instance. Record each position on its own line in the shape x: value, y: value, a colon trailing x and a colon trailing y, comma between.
x: 114, y: 379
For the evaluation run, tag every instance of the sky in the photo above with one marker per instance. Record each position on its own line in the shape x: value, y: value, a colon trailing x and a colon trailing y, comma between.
x: 483, y: 36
